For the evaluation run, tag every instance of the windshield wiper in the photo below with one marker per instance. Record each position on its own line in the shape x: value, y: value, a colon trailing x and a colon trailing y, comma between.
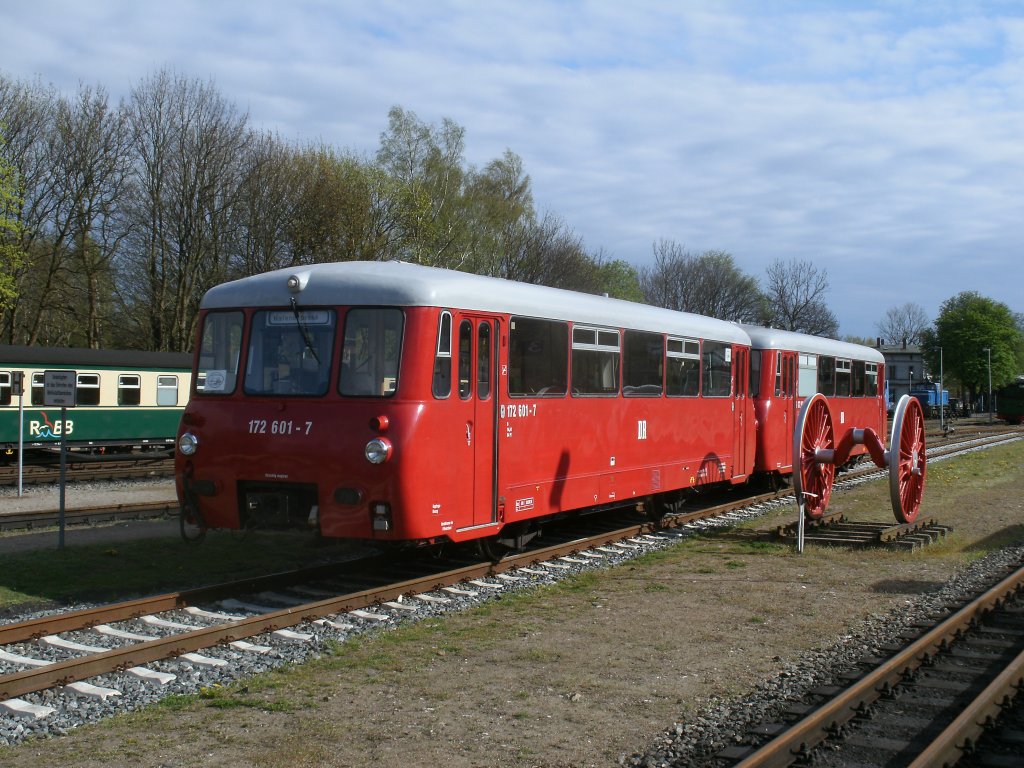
x: 304, y: 331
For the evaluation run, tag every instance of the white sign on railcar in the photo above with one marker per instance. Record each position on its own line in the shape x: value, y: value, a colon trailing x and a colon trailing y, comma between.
x: 60, y: 389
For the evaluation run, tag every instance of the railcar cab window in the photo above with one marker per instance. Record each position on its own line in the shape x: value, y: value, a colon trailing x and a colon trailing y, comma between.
x: 5, y: 388
x: 88, y: 389
x: 717, y: 359
x: 465, y: 359
x: 538, y: 358
x: 219, y: 349
x: 371, y: 351
x: 642, y: 364
x: 595, y: 361
x: 683, y: 358
x: 289, y: 352
x: 442, y: 381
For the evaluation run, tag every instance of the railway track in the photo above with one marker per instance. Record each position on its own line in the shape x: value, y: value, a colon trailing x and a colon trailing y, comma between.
x: 34, y: 520
x: 90, y: 471
x: 927, y: 704
x: 48, y: 664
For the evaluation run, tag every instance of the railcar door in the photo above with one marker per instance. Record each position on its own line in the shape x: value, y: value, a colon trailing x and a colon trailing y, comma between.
x: 477, y: 350
x: 786, y: 390
x: 739, y: 409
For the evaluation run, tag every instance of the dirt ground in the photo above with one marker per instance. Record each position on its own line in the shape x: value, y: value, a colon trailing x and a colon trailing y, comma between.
x: 573, y: 675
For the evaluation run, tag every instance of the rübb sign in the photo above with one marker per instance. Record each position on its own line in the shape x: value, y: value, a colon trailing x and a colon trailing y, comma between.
x: 59, y: 388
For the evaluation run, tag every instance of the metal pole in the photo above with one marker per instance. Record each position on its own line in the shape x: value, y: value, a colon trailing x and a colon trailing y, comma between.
x: 989, y: 351
x: 63, y: 468
x: 21, y: 442
x: 942, y: 407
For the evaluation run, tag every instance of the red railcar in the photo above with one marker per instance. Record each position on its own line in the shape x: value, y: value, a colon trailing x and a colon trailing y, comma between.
x: 394, y: 402
x: 788, y: 367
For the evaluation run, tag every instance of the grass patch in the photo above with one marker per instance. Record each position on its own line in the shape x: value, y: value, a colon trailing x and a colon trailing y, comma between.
x: 102, y: 572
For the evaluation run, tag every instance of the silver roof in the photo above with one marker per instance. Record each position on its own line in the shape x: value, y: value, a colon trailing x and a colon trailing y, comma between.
x: 393, y: 283
x: 772, y: 338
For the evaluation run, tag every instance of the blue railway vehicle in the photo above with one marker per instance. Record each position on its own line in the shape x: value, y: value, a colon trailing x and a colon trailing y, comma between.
x: 932, y: 399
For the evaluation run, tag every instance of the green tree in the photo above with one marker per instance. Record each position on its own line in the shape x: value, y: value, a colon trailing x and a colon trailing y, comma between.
x: 967, y: 326
x: 11, y: 256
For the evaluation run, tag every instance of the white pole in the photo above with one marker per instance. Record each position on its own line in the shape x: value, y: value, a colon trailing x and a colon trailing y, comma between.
x: 21, y: 440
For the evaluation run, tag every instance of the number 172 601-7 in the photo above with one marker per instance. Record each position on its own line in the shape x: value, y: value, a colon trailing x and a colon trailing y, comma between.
x: 279, y: 427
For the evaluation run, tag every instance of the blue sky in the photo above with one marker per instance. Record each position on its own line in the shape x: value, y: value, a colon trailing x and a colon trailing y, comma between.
x: 882, y: 140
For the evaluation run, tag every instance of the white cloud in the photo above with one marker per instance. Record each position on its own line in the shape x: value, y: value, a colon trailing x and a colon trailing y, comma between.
x: 876, y: 140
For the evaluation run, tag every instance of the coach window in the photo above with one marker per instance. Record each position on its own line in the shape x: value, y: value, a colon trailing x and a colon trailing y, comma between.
x: 483, y: 361
x: 717, y: 369
x: 219, y: 349
x: 38, y: 397
x: 843, y: 378
x: 538, y: 358
x: 129, y: 389
x: 5, y: 388
x: 683, y: 360
x: 827, y: 376
x: 465, y: 359
x: 755, y: 372
x: 442, y: 382
x: 88, y: 392
x: 858, y: 378
x: 595, y: 361
x: 871, y: 379
x: 166, y: 390
x: 372, y: 349
x: 642, y: 355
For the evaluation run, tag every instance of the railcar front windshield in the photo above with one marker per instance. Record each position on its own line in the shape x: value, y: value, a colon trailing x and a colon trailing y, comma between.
x: 290, y: 352
x: 371, y: 352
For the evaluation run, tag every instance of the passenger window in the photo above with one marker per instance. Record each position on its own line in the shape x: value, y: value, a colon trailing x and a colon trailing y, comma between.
x: 465, y: 359
x: 5, y: 388
x: 683, y: 362
x: 595, y: 361
x: 166, y: 390
x: 642, y: 355
x: 871, y: 379
x: 442, y: 382
x: 778, y: 374
x: 38, y: 395
x: 129, y: 389
x: 538, y: 358
x: 842, y: 378
x: 827, y: 376
x: 717, y: 369
x: 858, y: 378
x: 88, y: 390
x: 483, y: 361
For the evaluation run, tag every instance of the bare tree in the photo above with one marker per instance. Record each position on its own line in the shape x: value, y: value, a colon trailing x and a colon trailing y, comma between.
x: 707, y: 284
x: 89, y: 154
x: 187, y: 173
x: 905, y: 323
x: 795, y: 292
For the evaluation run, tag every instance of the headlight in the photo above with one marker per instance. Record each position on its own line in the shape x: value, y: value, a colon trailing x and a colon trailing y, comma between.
x: 378, y: 450
x: 188, y: 444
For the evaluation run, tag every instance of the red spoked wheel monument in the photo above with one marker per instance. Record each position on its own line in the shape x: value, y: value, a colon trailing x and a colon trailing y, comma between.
x: 816, y: 454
